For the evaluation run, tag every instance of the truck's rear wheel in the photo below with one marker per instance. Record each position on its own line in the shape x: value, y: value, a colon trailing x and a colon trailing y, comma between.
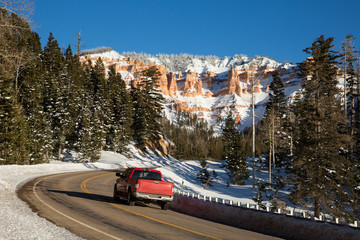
x: 164, y: 205
x: 129, y: 199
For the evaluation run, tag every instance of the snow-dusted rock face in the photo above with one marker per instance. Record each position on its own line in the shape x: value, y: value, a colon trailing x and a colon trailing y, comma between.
x: 209, y: 86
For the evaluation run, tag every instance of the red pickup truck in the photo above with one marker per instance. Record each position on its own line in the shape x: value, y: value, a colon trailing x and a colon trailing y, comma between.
x: 139, y: 184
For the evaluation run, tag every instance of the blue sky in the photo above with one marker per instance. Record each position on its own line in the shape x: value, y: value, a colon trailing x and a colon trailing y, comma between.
x: 278, y: 29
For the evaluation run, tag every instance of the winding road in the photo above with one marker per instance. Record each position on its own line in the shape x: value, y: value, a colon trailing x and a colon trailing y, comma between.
x: 82, y: 203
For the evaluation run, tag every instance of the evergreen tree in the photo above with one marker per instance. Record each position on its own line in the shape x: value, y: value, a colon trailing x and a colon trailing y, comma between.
x: 121, y: 118
x: 13, y: 137
x: 101, y: 99
x: 140, y: 122
x: 14, y: 31
x: 275, y: 128
x: 350, y: 90
x: 90, y: 131
x: 148, y: 105
x: 236, y: 164
x: 89, y: 134
x: 52, y: 60
x: 30, y: 95
x: 204, y: 175
x: 74, y: 92
x: 319, y: 168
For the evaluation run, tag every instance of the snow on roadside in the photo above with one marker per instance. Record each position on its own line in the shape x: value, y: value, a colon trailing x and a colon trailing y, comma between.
x: 17, y: 219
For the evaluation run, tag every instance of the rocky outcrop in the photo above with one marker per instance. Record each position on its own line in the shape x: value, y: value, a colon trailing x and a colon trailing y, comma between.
x: 134, y: 69
x: 181, y: 106
x: 192, y: 85
x: 208, y: 79
x: 237, y: 119
x: 163, y: 80
x: 172, y: 85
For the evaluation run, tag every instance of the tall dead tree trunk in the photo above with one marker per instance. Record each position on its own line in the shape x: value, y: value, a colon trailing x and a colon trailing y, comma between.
x: 253, y: 127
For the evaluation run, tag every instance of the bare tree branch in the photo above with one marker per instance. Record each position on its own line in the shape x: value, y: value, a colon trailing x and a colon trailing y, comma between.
x: 22, y: 8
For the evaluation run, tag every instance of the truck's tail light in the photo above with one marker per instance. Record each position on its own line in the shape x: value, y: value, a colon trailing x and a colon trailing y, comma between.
x: 136, y: 186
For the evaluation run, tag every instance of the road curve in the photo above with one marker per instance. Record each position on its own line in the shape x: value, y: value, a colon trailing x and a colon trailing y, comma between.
x: 82, y: 203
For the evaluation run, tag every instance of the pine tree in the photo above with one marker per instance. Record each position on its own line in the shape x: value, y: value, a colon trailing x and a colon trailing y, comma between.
x: 319, y: 168
x: 121, y: 119
x: 148, y: 105
x: 350, y: 89
x: 204, y: 175
x: 52, y: 60
x: 90, y: 131
x: 140, y: 126
x: 89, y: 134
x: 30, y: 96
x: 13, y: 137
x: 14, y: 31
x: 101, y: 99
x: 275, y: 128
x: 74, y: 91
x: 236, y: 164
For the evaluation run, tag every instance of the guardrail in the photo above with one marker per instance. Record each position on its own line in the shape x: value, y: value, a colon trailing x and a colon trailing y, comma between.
x: 303, y: 214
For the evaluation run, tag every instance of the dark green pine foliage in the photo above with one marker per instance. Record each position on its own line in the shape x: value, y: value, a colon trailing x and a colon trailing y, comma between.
x: 30, y: 96
x: 13, y: 137
x: 120, y: 134
x: 204, y: 176
x: 348, y: 60
x: 89, y: 132
x: 65, y: 105
x: 13, y: 128
x: 321, y: 173
x: 53, y: 99
x: 74, y: 92
x: 351, y: 70
x: 139, y: 126
x: 90, y: 141
x: 275, y: 126
x: 154, y: 102
x: 192, y: 139
x: 148, y: 105
x: 101, y: 101
x: 277, y: 117
x: 234, y: 155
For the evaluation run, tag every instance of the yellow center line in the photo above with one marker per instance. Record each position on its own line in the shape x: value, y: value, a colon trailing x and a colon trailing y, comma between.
x: 83, y: 183
x: 85, y: 190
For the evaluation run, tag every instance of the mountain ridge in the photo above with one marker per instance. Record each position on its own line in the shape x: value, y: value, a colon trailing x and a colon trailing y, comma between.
x: 207, y: 86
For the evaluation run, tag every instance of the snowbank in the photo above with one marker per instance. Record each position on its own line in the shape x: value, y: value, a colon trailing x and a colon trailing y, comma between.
x: 268, y: 223
x: 17, y: 219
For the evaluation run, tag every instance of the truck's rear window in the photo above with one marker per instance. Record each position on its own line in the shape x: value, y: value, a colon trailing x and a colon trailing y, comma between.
x: 146, y: 175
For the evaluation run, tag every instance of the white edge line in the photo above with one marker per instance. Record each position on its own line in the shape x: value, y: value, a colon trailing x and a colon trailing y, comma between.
x: 84, y: 224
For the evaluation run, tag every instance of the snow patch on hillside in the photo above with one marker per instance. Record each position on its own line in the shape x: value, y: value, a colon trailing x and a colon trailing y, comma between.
x: 112, y: 55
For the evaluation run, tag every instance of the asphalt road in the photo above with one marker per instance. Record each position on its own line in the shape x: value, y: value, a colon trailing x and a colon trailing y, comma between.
x: 82, y: 203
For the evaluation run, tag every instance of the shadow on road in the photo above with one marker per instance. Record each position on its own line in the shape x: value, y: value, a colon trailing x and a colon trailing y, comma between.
x: 97, y: 197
